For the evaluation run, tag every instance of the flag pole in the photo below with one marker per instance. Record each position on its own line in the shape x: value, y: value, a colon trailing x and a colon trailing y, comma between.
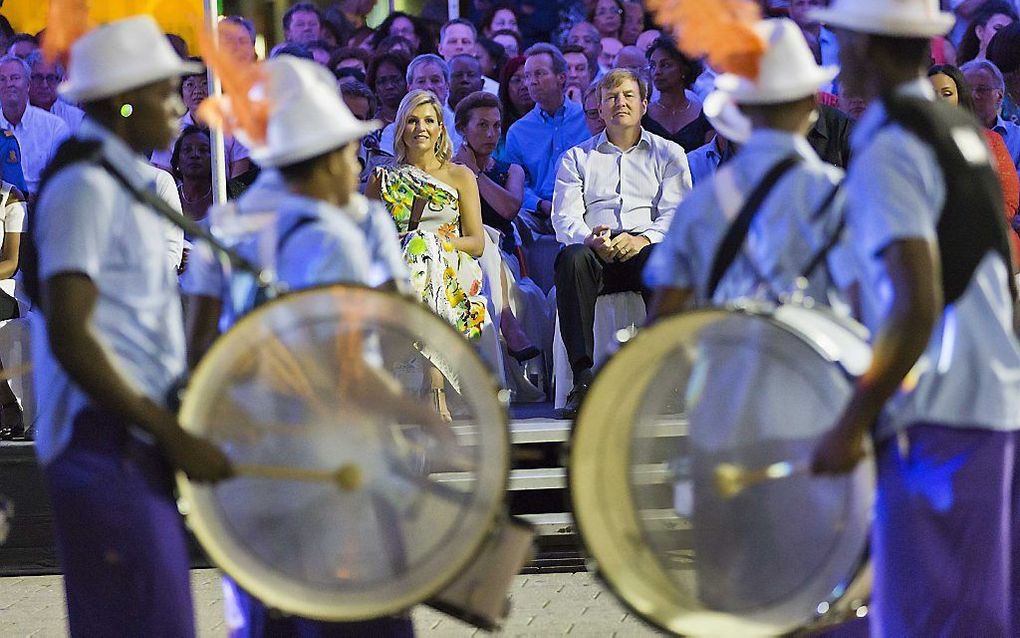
x: 219, y: 161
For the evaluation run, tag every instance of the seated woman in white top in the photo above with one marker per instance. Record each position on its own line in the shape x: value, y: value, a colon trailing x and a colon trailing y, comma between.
x: 13, y: 209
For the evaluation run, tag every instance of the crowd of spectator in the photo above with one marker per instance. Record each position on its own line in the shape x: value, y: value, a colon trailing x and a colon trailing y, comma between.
x: 534, y: 99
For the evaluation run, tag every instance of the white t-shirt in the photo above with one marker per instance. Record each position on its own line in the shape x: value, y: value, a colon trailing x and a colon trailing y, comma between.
x: 12, y: 217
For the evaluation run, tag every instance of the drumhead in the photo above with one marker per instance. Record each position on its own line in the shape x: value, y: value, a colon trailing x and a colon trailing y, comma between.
x: 671, y: 419
x: 329, y: 381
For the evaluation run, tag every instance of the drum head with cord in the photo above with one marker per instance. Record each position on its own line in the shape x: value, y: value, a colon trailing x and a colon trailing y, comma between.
x: 353, y: 500
x: 689, y: 472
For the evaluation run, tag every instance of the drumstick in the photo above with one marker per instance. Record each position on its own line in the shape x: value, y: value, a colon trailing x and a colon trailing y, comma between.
x: 348, y: 477
x: 732, y: 479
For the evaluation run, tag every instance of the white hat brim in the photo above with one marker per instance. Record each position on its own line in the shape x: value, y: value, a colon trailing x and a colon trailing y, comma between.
x: 744, y: 91
x: 269, y: 157
x: 83, y: 91
x: 895, y: 26
x: 726, y: 118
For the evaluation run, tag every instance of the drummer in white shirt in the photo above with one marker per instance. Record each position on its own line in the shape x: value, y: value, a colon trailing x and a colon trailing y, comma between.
x: 799, y: 213
x: 941, y: 399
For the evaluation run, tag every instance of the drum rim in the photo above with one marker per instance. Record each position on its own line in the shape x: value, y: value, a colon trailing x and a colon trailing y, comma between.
x: 187, y: 492
x: 648, y: 335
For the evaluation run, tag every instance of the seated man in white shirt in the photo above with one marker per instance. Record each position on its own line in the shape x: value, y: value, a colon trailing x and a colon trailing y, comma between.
x: 42, y: 91
x: 614, y: 198
x: 38, y: 132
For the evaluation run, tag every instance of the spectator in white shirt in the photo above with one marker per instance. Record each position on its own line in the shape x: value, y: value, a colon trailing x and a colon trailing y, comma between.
x: 42, y: 90
x: 38, y: 132
x: 459, y: 37
x: 614, y: 198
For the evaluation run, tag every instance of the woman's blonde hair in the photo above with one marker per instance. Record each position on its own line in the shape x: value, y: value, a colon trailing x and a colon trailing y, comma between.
x: 411, y: 101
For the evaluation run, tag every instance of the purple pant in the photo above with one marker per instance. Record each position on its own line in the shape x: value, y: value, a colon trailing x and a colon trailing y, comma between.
x: 946, y: 534
x: 120, y: 539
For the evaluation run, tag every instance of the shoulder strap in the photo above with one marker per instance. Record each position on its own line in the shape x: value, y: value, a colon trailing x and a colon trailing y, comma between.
x: 286, y: 236
x: 737, y: 232
x: 834, y: 238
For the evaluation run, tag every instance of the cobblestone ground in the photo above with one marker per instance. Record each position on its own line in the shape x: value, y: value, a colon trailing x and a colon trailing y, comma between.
x: 543, y: 605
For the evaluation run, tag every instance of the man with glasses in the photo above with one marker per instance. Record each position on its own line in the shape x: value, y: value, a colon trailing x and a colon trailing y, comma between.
x: 538, y: 140
x: 38, y: 132
x: 42, y: 90
x: 988, y: 88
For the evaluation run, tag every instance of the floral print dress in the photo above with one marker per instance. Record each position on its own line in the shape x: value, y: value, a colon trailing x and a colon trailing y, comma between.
x: 447, y: 280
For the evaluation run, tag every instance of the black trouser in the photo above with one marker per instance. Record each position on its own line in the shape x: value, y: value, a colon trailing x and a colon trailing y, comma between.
x: 581, y: 276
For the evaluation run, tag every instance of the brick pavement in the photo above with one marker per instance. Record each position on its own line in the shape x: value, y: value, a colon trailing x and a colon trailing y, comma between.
x: 543, y: 605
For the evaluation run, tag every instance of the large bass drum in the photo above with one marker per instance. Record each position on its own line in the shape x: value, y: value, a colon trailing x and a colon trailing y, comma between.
x: 689, y: 473
x: 353, y: 500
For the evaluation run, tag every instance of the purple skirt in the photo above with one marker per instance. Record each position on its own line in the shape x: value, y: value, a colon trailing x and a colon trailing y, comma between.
x: 946, y: 534
x: 120, y: 540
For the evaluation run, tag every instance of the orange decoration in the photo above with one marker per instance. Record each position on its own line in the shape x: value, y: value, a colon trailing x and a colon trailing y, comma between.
x: 720, y: 30
x: 239, y: 110
x: 68, y: 20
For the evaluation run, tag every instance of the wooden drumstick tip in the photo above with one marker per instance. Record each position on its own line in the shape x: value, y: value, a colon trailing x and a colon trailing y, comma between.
x: 732, y: 479
x: 350, y: 477
x: 729, y: 480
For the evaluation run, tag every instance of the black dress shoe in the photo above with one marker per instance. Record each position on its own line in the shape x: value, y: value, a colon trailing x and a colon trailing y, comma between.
x: 576, y: 395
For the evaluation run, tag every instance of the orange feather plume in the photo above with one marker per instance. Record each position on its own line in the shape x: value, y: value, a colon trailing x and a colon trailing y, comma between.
x: 240, y: 111
x: 720, y: 30
x: 67, y: 20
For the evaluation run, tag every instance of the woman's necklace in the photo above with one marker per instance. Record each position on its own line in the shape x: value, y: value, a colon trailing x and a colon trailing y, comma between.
x: 197, y: 200
x: 676, y: 110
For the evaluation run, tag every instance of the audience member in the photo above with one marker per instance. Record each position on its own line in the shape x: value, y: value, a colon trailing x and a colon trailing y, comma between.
x: 408, y: 27
x: 359, y: 99
x: 586, y: 36
x: 633, y: 21
x: 499, y: 17
x: 510, y: 41
x: 465, y: 79
x: 492, y: 56
x: 607, y: 17
x: 645, y: 40
x: 42, y: 91
x: 853, y: 105
x: 195, y: 89
x: 631, y: 57
x: 333, y: 35
x: 501, y: 189
x: 580, y: 71
x: 363, y: 38
x: 431, y: 73
x: 441, y: 247
x: 350, y: 58
x: 821, y: 41
x: 237, y: 37
x: 13, y: 209
x: 1004, y: 52
x: 538, y: 140
x: 459, y: 37
x: 302, y: 23
x: 614, y: 199
x: 191, y: 165
x: 610, y: 48
x: 677, y: 114
x: 988, y: 88
x: 592, y: 116
x: 514, y: 96
x: 989, y: 20
x: 38, y: 132
x: 387, y: 77
x: 22, y: 44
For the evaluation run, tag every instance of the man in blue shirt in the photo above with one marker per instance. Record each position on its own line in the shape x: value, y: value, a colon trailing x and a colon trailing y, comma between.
x: 941, y: 398
x: 538, y: 140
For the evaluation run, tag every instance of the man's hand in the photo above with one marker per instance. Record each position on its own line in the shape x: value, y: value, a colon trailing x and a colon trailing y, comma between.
x: 600, y: 241
x: 199, y: 459
x: 544, y: 207
x: 466, y: 157
x: 844, y: 446
x: 627, y: 246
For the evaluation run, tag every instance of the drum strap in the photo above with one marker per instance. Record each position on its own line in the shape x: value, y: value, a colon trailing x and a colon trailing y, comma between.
x: 737, y: 232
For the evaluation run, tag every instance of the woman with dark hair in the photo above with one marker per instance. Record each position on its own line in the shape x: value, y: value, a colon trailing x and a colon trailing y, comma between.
x: 992, y: 16
x: 191, y: 162
x: 408, y: 27
x: 491, y: 56
x: 951, y: 87
x: 514, y: 98
x: 607, y: 16
x: 499, y: 17
x: 676, y: 115
x: 387, y: 77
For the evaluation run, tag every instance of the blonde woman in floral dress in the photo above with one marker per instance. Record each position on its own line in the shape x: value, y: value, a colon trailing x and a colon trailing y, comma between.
x: 437, y: 211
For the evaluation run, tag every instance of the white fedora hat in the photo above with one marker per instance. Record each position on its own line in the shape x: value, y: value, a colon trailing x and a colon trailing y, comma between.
x: 902, y: 18
x: 725, y: 117
x: 119, y: 56
x: 788, y: 70
x: 307, y: 116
